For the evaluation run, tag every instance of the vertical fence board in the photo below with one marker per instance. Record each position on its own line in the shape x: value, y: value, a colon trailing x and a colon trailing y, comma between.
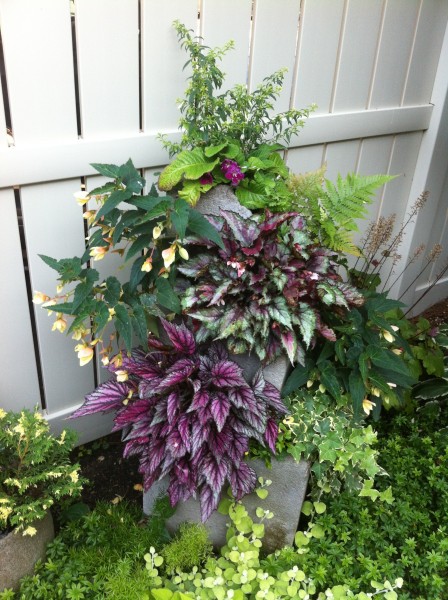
x: 39, y: 68
x: 107, y: 44
x: 221, y: 21
x: 3, y: 136
x: 425, y: 57
x: 321, y: 24
x: 163, y: 80
x: 303, y: 160
x: 355, y: 72
x: 394, y: 53
x: 54, y: 227
x: 341, y: 158
x: 274, y: 44
x: 19, y: 386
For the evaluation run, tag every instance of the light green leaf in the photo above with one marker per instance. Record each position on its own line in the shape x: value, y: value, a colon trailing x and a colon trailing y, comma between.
x: 191, y: 164
x: 190, y: 192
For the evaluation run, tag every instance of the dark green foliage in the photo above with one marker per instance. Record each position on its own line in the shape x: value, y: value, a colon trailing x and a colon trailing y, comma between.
x: 190, y: 549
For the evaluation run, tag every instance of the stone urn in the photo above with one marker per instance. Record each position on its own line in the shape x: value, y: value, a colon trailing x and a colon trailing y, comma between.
x: 19, y: 553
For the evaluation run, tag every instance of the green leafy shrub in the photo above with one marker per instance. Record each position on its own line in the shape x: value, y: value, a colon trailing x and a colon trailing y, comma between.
x: 189, y: 549
x: 35, y: 470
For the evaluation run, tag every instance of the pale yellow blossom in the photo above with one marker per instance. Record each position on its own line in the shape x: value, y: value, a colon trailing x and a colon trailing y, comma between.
x: 30, y: 531
x: 74, y: 476
x: 156, y: 232
x: 81, y: 197
x: 147, y: 265
x: 40, y: 298
x: 169, y: 256
x: 2, y: 413
x: 397, y: 351
x: 98, y: 252
x: 85, y: 354
x: 60, y: 324
x: 388, y: 336
x: 105, y: 360
x: 122, y: 375
x: 51, y: 302
x: 183, y: 253
x: 367, y: 406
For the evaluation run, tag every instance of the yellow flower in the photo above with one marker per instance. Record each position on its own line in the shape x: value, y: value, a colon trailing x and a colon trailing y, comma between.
x: 367, y: 406
x: 2, y: 413
x: 40, y: 298
x: 122, y: 375
x: 30, y: 531
x: 89, y: 216
x: 388, y: 336
x: 60, y: 324
x: 397, y: 351
x: 147, y: 265
x: 156, y: 232
x: 85, y: 354
x: 183, y: 253
x: 98, y: 252
x: 138, y: 487
x: 74, y: 476
x: 105, y: 360
x: 19, y: 429
x: 80, y: 332
x: 81, y: 197
x: 169, y: 256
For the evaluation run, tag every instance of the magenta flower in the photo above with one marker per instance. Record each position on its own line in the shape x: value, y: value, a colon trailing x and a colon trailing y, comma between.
x: 232, y: 171
x: 206, y: 179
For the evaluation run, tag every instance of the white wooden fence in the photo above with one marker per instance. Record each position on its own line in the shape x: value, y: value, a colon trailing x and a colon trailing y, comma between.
x: 371, y: 66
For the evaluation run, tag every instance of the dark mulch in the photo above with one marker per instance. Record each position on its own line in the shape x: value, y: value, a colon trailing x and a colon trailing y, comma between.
x: 113, y: 477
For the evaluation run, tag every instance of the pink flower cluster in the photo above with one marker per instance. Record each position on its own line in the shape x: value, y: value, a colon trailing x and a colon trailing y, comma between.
x: 232, y: 171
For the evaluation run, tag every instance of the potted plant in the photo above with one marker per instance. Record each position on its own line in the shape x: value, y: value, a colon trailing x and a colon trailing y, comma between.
x: 244, y: 267
x: 35, y: 474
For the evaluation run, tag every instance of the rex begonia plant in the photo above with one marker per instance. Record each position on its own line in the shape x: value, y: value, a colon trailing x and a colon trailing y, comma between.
x: 270, y: 288
x: 188, y: 412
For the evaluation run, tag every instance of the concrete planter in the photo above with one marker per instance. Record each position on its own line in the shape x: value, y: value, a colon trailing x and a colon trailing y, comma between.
x: 19, y: 553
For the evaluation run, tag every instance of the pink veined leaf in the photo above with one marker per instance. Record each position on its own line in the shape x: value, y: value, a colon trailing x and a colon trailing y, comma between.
x: 209, y: 502
x: 245, y: 231
x: 242, y: 396
x: 149, y: 479
x: 215, y: 472
x: 131, y: 413
x: 272, y: 222
x: 176, y: 445
x: 220, y: 407
x: 227, y: 374
x: 242, y: 480
x: 134, y: 447
x: 199, y: 434
x: 178, y: 491
x: 182, y: 471
x: 156, y: 343
x: 237, y: 449
x: 160, y: 413
x: 258, y: 382
x: 107, y: 397
x: 289, y: 342
x: 156, y: 454
x: 177, y: 373
x: 255, y: 249
x: 271, y: 434
x: 218, y: 441
x: 257, y: 420
x: 200, y: 400
x: 172, y: 406
x: 217, y: 352
x: 181, y: 338
x: 273, y: 397
x: 184, y: 428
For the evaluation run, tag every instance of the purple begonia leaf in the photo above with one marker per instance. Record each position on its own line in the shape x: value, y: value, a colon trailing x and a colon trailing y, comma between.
x: 176, y: 445
x: 319, y: 261
x: 289, y: 342
x: 271, y: 434
x: 219, y: 292
x: 218, y: 351
x: 255, y: 249
x: 300, y: 354
x: 131, y: 413
x: 245, y: 231
x: 155, y: 455
x: 172, y: 406
x: 195, y: 266
x: 204, y: 415
x: 242, y: 480
x: 107, y: 397
x: 200, y: 400
x: 209, y: 502
x: 256, y: 277
x: 272, y: 222
x: 167, y: 465
x: 273, y: 397
x: 181, y: 337
x: 325, y: 331
x: 218, y: 441
x: 182, y: 471
x: 139, y: 429
x: 220, y: 407
x: 205, y: 365
x: 148, y: 479
x: 156, y: 343
x: 227, y: 374
x: 257, y: 420
x: 298, y: 223
x: 177, y: 373
x: 353, y: 296
x: 178, y: 491
x: 147, y: 389
x: 237, y: 449
x: 215, y: 472
x: 205, y: 293
x: 134, y: 447
x: 273, y: 349
x: 199, y: 434
x: 184, y: 429
x: 258, y: 382
x: 242, y: 396
x: 160, y: 413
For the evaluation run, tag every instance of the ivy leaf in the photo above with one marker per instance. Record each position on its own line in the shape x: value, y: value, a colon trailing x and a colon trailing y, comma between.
x: 191, y: 164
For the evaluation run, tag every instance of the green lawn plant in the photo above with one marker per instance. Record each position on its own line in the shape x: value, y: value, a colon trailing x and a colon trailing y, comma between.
x: 35, y: 470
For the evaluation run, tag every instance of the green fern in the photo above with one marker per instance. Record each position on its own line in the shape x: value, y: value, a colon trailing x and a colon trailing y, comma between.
x: 333, y: 208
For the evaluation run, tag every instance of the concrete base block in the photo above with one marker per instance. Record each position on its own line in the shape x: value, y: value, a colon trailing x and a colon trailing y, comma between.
x: 19, y: 553
x: 221, y: 196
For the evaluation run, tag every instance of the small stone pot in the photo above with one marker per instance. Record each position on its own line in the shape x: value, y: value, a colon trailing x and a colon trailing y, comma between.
x: 19, y: 553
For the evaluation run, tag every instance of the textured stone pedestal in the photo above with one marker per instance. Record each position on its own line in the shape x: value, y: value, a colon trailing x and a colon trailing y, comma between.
x: 19, y: 553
